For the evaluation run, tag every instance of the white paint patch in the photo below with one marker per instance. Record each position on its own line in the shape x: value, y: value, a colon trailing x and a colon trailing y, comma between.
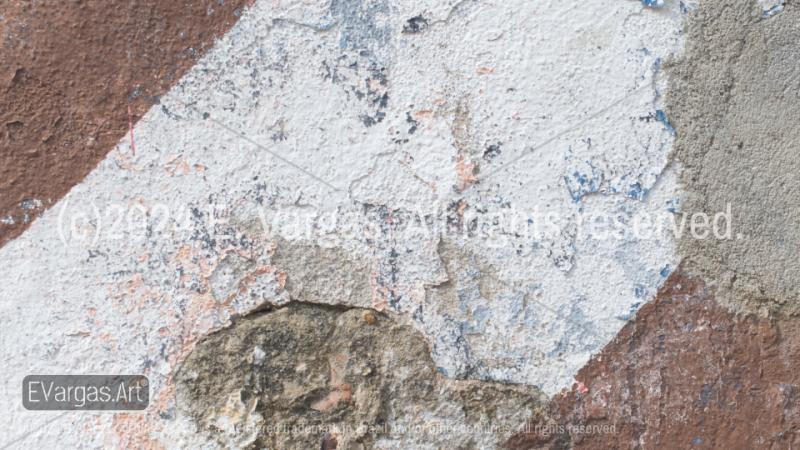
x: 556, y: 103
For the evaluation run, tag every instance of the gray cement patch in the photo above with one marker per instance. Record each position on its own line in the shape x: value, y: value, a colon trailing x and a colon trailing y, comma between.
x: 733, y: 99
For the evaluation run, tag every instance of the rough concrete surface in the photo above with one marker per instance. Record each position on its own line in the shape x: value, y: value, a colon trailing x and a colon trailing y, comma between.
x: 306, y: 376
x: 75, y: 75
x: 369, y: 223
x: 732, y: 98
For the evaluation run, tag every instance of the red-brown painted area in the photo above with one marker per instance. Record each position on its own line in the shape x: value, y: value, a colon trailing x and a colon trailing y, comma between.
x: 685, y: 373
x: 74, y: 76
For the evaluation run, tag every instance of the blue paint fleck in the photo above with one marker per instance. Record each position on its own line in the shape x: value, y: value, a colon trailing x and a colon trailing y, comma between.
x: 666, y: 271
x: 580, y: 184
x: 673, y: 205
x: 631, y: 312
x: 774, y: 10
x: 697, y: 441
x: 661, y: 116
x: 636, y: 191
x: 362, y: 30
x: 705, y: 394
x: 654, y: 3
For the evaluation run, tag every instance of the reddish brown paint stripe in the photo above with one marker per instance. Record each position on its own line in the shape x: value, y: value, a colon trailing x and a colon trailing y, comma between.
x: 71, y: 70
x: 685, y: 373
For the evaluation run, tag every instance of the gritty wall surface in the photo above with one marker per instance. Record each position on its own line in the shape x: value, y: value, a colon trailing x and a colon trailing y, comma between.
x: 273, y: 380
x: 382, y: 114
x: 401, y: 161
x: 687, y: 373
x: 732, y: 96
x: 712, y: 361
x: 74, y: 75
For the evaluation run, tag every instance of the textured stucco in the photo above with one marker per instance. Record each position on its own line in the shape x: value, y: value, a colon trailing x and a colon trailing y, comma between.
x: 75, y: 76
x: 712, y: 362
x: 686, y: 373
x: 402, y: 157
x: 732, y: 97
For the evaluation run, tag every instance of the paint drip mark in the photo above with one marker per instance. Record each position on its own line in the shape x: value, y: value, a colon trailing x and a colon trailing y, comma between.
x: 130, y: 128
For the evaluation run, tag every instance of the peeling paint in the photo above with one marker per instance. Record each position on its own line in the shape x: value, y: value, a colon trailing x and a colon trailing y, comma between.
x: 322, y: 154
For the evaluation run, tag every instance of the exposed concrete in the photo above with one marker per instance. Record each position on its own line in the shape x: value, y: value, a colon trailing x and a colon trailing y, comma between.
x: 323, y: 275
x: 686, y: 373
x: 733, y: 98
x: 308, y: 374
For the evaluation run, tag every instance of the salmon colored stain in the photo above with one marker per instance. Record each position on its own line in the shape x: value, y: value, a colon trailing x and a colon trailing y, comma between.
x: 134, y: 431
x: 485, y: 70
x: 379, y: 301
x: 134, y: 283
x: 282, y: 280
x: 340, y: 391
x: 124, y: 162
x: 183, y: 253
x: 201, y: 317
x: 247, y: 280
x: 462, y: 206
x: 422, y: 114
x: 176, y: 165
x: 133, y: 293
x: 466, y: 173
x: 182, y: 330
x: 343, y: 393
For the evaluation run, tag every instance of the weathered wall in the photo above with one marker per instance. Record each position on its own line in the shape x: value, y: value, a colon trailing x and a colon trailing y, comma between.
x: 75, y: 75
x: 713, y: 361
x: 336, y: 181
x: 732, y: 97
